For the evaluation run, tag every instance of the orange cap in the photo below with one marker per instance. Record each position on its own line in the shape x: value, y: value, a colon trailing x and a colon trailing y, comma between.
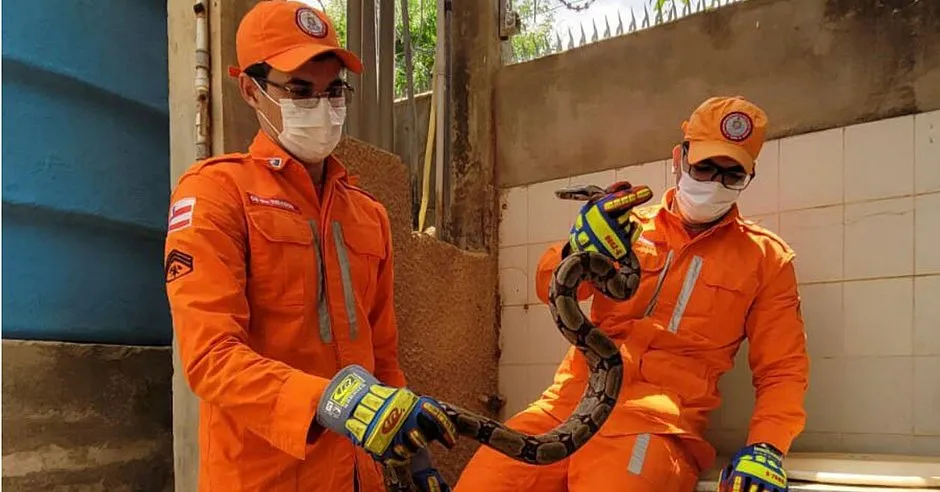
x: 726, y: 126
x: 286, y: 34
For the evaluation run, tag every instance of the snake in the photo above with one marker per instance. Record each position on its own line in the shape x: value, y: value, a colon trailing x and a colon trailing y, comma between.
x: 618, y: 282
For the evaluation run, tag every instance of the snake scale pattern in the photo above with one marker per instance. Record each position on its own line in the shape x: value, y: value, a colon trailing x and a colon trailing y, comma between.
x: 602, y: 355
x: 603, y: 359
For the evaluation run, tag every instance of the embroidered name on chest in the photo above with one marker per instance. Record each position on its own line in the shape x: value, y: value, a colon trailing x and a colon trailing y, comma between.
x: 273, y: 202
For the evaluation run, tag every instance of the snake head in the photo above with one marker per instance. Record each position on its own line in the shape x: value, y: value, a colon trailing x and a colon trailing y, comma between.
x: 580, y: 192
x: 634, y: 195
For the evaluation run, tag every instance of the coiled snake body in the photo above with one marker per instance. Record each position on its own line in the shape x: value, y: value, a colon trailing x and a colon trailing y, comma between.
x: 602, y: 354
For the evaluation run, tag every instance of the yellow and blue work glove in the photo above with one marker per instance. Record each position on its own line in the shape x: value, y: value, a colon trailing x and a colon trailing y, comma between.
x: 603, y: 224
x: 391, y: 424
x: 755, y: 468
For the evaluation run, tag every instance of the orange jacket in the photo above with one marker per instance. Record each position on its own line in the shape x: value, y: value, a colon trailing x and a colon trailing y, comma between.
x: 699, y: 298
x: 273, y: 289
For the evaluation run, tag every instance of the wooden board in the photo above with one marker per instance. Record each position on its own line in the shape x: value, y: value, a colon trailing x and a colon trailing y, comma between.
x: 865, y: 469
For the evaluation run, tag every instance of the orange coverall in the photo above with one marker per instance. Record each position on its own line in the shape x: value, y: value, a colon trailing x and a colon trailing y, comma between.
x: 698, y: 300
x: 273, y: 289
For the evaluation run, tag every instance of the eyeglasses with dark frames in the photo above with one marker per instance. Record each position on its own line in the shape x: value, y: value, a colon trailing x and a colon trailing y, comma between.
x: 304, y: 90
x: 734, y: 178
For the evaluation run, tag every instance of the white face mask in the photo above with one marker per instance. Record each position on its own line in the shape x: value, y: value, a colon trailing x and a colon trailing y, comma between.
x: 701, y: 202
x: 311, y: 128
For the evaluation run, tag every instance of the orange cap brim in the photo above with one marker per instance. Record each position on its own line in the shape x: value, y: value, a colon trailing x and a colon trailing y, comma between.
x: 293, y: 58
x: 706, y: 149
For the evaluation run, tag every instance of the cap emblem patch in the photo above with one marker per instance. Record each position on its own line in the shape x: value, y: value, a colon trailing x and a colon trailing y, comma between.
x: 310, y: 23
x: 736, y: 126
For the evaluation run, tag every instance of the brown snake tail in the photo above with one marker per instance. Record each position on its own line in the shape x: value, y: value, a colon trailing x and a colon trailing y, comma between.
x: 602, y: 354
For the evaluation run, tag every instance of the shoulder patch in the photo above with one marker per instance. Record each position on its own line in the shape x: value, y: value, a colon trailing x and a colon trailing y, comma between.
x: 181, y: 214
x: 178, y: 264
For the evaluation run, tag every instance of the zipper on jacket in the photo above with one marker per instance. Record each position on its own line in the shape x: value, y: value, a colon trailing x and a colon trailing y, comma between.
x: 659, y: 285
x: 355, y: 474
x: 323, y: 308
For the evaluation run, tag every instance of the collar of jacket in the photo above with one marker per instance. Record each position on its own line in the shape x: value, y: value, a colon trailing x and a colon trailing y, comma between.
x: 266, y: 152
x: 667, y: 223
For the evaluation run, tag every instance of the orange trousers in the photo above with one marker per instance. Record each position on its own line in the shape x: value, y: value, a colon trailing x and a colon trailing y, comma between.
x: 634, y: 463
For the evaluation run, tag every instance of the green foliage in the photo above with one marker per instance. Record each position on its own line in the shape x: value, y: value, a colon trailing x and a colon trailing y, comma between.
x: 537, y: 36
x: 661, y: 5
x: 422, y: 18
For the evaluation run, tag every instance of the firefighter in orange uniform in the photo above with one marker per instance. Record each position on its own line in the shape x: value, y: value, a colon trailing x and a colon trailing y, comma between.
x: 710, y: 279
x: 279, y: 275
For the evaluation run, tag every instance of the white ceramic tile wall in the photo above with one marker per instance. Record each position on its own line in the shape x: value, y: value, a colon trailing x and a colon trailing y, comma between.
x: 874, y: 228
x: 879, y: 159
x: 868, y: 263
x: 811, y: 170
x: 927, y: 152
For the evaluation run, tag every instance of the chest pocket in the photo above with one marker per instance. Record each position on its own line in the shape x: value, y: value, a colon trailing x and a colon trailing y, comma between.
x: 360, y: 249
x: 653, y: 265
x: 281, y: 259
x: 717, y: 300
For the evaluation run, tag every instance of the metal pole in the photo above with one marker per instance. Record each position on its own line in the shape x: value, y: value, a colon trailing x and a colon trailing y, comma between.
x: 354, y: 44
x: 369, y: 115
x: 386, y: 116
x: 203, y: 116
x: 441, y: 133
x: 412, y: 163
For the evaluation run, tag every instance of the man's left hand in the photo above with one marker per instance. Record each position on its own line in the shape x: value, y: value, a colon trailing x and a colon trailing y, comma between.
x: 755, y: 468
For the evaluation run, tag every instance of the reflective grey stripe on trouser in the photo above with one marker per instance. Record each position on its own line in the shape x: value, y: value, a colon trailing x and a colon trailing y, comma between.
x: 640, y: 446
x: 691, y: 276
x: 348, y: 295
x: 323, y: 310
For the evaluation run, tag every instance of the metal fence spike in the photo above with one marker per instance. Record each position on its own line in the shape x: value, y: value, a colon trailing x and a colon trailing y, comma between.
x: 687, y: 7
x: 659, y: 17
x: 646, y: 18
x: 570, y: 39
x: 620, y: 22
x: 632, y: 27
x: 607, y: 27
x: 673, y: 15
x: 558, y: 46
x: 583, y: 40
x: 594, y: 36
x: 700, y: 6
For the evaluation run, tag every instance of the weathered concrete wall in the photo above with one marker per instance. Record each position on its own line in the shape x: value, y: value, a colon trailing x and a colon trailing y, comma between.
x: 79, y: 417
x: 812, y: 65
x: 471, y: 220
x: 445, y: 299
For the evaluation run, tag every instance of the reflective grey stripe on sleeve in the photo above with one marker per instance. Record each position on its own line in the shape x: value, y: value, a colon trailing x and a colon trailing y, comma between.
x: 659, y: 285
x: 640, y: 446
x: 348, y: 294
x: 323, y: 310
x: 691, y: 276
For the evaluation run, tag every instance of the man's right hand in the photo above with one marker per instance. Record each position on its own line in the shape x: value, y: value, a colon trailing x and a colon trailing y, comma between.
x: 390, y: 423
x: 603, y: 224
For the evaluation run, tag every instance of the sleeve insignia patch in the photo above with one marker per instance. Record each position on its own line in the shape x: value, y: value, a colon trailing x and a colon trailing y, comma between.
x: 178, y: 264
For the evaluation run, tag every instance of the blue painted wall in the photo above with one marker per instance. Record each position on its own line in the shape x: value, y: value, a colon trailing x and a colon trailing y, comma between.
x: 85, y: 171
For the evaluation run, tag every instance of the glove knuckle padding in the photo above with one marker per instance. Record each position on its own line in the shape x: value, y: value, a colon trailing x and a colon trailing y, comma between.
x: 754, y: 466
x: 355, y: 404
